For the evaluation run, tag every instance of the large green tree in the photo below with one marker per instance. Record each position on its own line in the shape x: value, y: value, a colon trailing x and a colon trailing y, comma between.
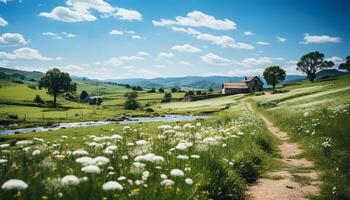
x: 131, y: 101
x: 311, y: 63
x: 56, y: 82
x: 346, y: 64
x: 274, y: 75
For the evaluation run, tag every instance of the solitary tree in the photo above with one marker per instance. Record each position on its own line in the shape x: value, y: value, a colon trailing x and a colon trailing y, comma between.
x: 174, y: 89
x: 346, y: 64
x: 274, y: 75
x: 161, y: 90
x: 83, y: 95
x: 167, y: 97
x: 131, y: 101
x: 56, y: 82
x: 311, y: 63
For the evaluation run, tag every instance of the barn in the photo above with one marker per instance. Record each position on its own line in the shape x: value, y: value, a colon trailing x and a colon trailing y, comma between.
x: 247, y: 85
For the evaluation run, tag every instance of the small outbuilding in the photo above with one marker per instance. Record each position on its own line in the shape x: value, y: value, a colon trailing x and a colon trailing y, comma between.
x: 247, y: 85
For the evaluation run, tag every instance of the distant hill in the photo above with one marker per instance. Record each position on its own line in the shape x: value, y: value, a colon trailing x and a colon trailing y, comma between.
x: 14, y: 73
x: 329, y: 73
x: 196, y: 82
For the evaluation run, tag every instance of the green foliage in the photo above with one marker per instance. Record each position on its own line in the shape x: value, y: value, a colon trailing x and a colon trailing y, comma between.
x: 96, y: 101
x: 56, y: 82
x: 161, y: 90
x: 167, y: 97
x: 131, y: 102
x: 38, y: 99
x: 153, y: 90
x: 199, y: 92
x: 311, y: 63
x: 83, y: 95
x: 248, y: 164
x: 346, y: 64
x: 274, y: 75
x: 174, y: 89
x: 137, y: 88
x: 32, y: 87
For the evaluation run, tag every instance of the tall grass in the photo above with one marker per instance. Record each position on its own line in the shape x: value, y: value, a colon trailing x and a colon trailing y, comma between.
x: 226, y: 154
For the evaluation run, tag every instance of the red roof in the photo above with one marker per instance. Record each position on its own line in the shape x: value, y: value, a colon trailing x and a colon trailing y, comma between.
x: 235, y: 85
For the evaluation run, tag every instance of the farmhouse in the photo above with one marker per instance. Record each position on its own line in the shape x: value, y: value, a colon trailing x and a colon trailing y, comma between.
x: 247, y: 85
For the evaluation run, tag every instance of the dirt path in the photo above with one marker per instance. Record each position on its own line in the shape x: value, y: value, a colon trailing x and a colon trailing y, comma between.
x: 296, y: 179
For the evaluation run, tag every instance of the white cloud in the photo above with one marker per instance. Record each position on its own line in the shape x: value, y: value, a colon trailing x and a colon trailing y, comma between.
x: 130, y: 32
x: 12, y: 39
x: 58, y: 36
x: 248, y: 33
x: 26, y: 54
x: 263, y: 43
x: 224, y: 41
x: 114, y: 62
x: 142, y: 53
x: 197, y: 19
x: 131, y: 58
x: 129, y: 67
x: 258, y: 61
x: 185, y: 63
x: 136, y: 37
x: 189, y: 31
x: 163, y: 55
x: 336, y: 60
x: 80, y: 10
x: 292, y: 70
x: 320, y: 39
x: 186, y: 48
x: 67, y: 15
x: 281, y: 39
x: 131, y: 15
x: 245, y: 72
x: 116, y: 32
x: 214, y: 59
x: 3, y: 22
x: 292, y: 61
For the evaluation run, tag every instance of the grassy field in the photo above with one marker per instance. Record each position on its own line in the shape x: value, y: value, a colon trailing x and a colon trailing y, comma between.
x: 211, y: 159
x: 22, y: 105
x: 317, y: 115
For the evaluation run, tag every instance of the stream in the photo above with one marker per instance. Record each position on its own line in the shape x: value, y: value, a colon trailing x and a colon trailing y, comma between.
x: 166, y: 118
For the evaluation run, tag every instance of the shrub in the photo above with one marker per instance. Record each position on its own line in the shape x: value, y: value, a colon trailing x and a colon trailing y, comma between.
x: 12, y: 116
x: 69, y: 96
x: 18, y: 81
x: 174, y: 89
x: 83, y: 95
x: 131, y: 101
x: 32, y: 87
x: 166, y: 98
x: 137, y: 88
x: 161, y: 90
x: 38, y: 99
x: 153, y: 90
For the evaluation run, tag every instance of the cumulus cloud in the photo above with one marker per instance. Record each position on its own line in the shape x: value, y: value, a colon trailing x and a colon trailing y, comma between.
x: 142, y: 53
x: 67, y: 15
x: 248, y: 33
x: 281, y: 39
x: 185, y: 63
x: 12, y: 39
x: 186, y: 48
x: 164, y: 55
x: 336, y: 60
x: 263, y: 43
x: 3, y: 22
x: 214, y: 59
x: 80, y: 10
x: 222, y: 40
x: 26, y: 54
x: 258, y: 61
x: 136, y: 37
x: 197, y: 19
x: 58, y: 36
x: 116, y: 32
x: 320, y: 39
x: 131, y: 15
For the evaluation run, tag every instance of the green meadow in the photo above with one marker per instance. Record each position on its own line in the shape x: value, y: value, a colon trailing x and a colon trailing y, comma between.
x: 216, y: 158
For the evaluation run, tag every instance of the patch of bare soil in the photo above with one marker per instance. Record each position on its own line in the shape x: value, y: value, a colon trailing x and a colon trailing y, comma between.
x: 296, y: 180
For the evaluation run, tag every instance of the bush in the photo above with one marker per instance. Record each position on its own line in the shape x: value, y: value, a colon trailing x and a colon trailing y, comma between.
x: 166, y: 98
x: 32, y: 87
x: 69, y: 96
x: 174, y: 89
x: 83, y: 95
x: 153, y: 90
x: 18, y: 81
x: 12, y: 116
x: 137, y: 88
x: 96, y: 101
x: 161, y: 90
x: 38, y: 99
x: 131, y: 101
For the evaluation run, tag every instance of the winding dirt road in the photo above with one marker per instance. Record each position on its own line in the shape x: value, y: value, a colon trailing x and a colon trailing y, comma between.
x: 296, y: 179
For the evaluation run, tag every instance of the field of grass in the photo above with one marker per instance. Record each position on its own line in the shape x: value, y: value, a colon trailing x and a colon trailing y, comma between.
x: 211, y: 159
x: 202, y: 106
x: 317, y: 115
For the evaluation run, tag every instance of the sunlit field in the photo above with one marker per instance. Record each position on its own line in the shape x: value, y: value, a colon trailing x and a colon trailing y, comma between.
x: 318, y: 116
x: 212, y: 159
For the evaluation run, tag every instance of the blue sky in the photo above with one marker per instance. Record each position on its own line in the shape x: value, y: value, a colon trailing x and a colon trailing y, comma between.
x: 108, y: 39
